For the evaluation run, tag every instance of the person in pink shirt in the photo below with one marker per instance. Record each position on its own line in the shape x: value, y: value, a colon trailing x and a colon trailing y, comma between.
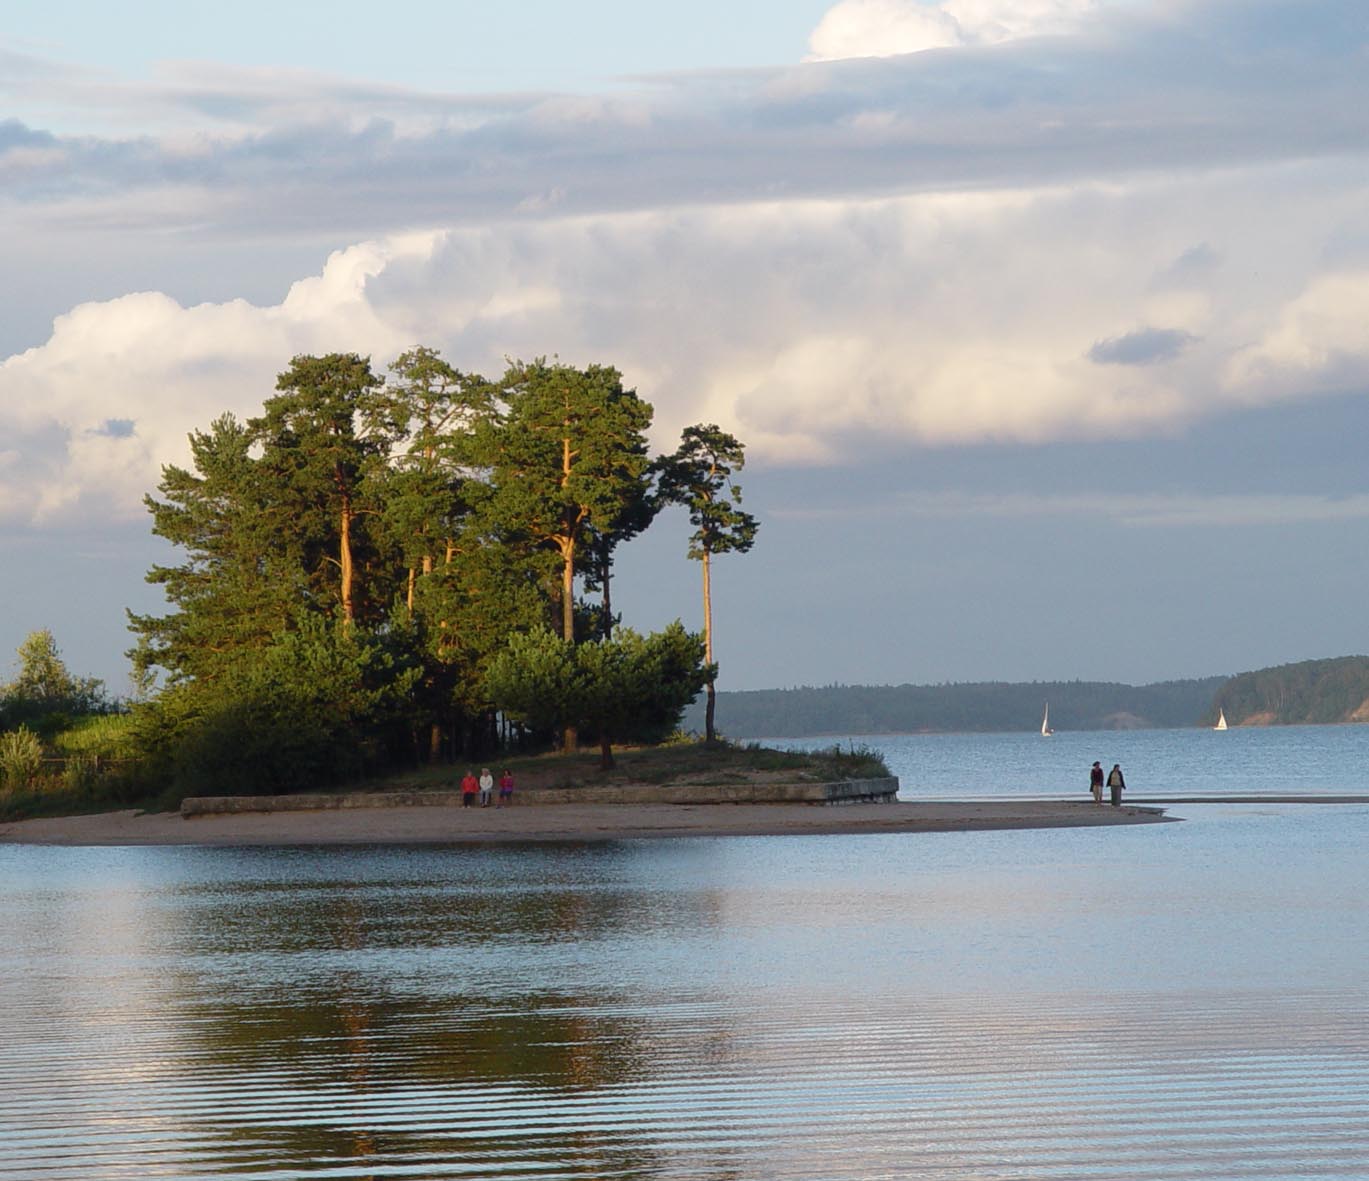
x: 505, y: 789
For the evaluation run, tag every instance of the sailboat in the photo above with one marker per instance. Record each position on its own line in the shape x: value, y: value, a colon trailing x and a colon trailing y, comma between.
x: 1046, y: 730
x: 1221, y: 720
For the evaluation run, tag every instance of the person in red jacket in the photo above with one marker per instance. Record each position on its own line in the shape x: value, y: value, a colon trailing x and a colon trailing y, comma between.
x: 469, y: 786
x: 1096, y: 782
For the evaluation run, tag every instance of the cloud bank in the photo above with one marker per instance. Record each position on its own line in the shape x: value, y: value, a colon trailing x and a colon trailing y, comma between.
x: 1155, y: 214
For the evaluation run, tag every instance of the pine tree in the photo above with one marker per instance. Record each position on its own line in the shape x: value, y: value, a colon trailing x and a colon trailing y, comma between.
x: 699, y: 476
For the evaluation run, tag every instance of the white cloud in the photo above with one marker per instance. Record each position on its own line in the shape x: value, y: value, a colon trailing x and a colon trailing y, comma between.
x: 817, y: 331
x: 884, y: 28
x: 1318, y: 343
x: 145, y: 360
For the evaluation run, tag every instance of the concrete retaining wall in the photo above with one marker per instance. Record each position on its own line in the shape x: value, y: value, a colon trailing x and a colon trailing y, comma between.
x: 850, y: 791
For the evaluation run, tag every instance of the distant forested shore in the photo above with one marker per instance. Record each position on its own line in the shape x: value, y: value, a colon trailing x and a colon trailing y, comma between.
x: 1310, y: 692
x: 986, y: 707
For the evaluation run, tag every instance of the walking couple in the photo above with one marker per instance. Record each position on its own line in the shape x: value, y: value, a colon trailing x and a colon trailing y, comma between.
x: 1115, y: 783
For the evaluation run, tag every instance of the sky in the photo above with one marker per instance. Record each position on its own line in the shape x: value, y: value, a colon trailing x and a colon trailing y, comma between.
x: 1045, y: 322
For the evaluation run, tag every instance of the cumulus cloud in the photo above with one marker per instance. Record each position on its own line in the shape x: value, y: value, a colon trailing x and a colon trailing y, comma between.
x: 113, y: 393
x: 1088, y: 237
x: 819, y: 331
x: 1318, y: 343
x: 883, y: 28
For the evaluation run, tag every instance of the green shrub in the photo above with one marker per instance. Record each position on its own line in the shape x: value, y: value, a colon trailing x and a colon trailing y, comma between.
x: 80, y: 774
x: 21, y: 758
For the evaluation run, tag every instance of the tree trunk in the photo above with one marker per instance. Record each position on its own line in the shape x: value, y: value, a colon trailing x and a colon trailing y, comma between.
x: 605, y: 572
x: 569, y: 738
x: 605, y: 753
x: 345, y: 558
x: 410, y: 601
x: 710, y: 700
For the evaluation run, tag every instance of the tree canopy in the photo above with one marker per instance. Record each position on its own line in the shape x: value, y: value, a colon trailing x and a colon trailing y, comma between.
x: 365, y: 563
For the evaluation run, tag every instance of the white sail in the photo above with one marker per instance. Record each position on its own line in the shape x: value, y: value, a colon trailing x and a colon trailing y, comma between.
x: 1046, y: 730
x: 1221, y: 720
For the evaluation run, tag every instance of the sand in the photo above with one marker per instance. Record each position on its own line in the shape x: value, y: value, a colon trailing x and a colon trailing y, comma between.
x: 571, y: 822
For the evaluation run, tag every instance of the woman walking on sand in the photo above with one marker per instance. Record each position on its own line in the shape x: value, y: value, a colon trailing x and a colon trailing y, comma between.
x: 1115, y: 784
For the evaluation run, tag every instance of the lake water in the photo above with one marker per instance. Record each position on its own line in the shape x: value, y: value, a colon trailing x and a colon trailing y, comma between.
x: 1297, y: 760
x: 1170, y: 1001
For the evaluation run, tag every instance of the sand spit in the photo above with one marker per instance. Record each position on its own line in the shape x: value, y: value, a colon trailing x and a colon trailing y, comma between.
x: 570, y: 822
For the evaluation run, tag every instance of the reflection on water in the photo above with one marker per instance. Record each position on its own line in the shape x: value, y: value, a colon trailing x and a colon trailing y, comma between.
x: 1181, y: 1001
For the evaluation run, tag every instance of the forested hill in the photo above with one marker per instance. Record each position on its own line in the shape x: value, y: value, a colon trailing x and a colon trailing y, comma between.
x: 992, y: 706
x: 1310, y: 692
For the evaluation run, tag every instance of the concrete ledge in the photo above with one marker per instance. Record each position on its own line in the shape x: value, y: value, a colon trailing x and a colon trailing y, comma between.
x: 850, y: 791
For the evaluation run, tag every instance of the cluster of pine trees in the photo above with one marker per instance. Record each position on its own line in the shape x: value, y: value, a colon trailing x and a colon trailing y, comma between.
x: 378, y: 569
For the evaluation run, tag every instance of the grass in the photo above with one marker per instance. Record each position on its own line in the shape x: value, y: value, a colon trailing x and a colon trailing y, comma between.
x: 674, y: 762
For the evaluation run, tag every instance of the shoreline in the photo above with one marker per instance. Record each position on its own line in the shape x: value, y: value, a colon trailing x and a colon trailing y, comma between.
x: 568, y: 823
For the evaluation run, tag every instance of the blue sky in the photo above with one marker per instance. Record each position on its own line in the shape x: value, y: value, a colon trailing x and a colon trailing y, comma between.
x: 1044, y: 320
x: 453, y: 45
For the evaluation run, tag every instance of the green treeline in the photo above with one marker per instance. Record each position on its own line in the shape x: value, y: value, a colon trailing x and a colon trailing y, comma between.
x: 379, y: 570
x: 1311, y: 692
x: 984, y: 707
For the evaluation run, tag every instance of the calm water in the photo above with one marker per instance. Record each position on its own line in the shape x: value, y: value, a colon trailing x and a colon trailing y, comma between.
x: 1270, y: 761
x: 1174, y: 1001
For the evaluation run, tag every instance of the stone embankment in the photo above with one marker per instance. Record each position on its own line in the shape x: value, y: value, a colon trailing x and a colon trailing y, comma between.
x: 850, y: 791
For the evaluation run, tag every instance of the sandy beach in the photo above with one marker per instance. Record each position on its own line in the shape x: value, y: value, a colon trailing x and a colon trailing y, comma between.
x: 572, y: 822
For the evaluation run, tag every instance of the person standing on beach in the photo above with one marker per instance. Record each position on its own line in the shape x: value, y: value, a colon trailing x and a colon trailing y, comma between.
x: 486, y: 787
x: 1096, y: 782
x: 469, y: 786
x: 505, y: 789
x: 1115, y: 784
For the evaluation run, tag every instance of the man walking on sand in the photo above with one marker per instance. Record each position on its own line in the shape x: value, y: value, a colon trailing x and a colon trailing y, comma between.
x: 1096, y: 783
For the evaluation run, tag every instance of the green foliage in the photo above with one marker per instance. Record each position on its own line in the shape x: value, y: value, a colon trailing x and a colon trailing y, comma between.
x: 567, y: 459
x: 699, y: 476
x: 618, y: 688
x: 324, y: 703
x: 1311, y: 692
x: 80, y: 774
x: 45, y: 696
x: 21, y: 758
x: 355, y: 559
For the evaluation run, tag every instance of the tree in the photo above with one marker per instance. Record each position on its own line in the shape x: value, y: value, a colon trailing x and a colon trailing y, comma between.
x: 44, y: 686
x: 243, y: 576
x: 699, y: 476
x: 431, y: 409
x: 317, y: 458
x: 613, y: 686
x: 567, y: 457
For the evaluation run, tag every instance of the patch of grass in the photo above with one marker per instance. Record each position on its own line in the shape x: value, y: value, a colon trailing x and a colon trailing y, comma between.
x: 108, y: 736
x: 675, y: 761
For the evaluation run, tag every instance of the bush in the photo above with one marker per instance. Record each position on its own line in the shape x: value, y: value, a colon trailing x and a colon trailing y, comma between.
x: 21, y: 758
x: 80, y: 774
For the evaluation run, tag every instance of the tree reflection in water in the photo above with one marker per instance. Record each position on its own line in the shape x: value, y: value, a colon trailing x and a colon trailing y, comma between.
x: 407, y: 1022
